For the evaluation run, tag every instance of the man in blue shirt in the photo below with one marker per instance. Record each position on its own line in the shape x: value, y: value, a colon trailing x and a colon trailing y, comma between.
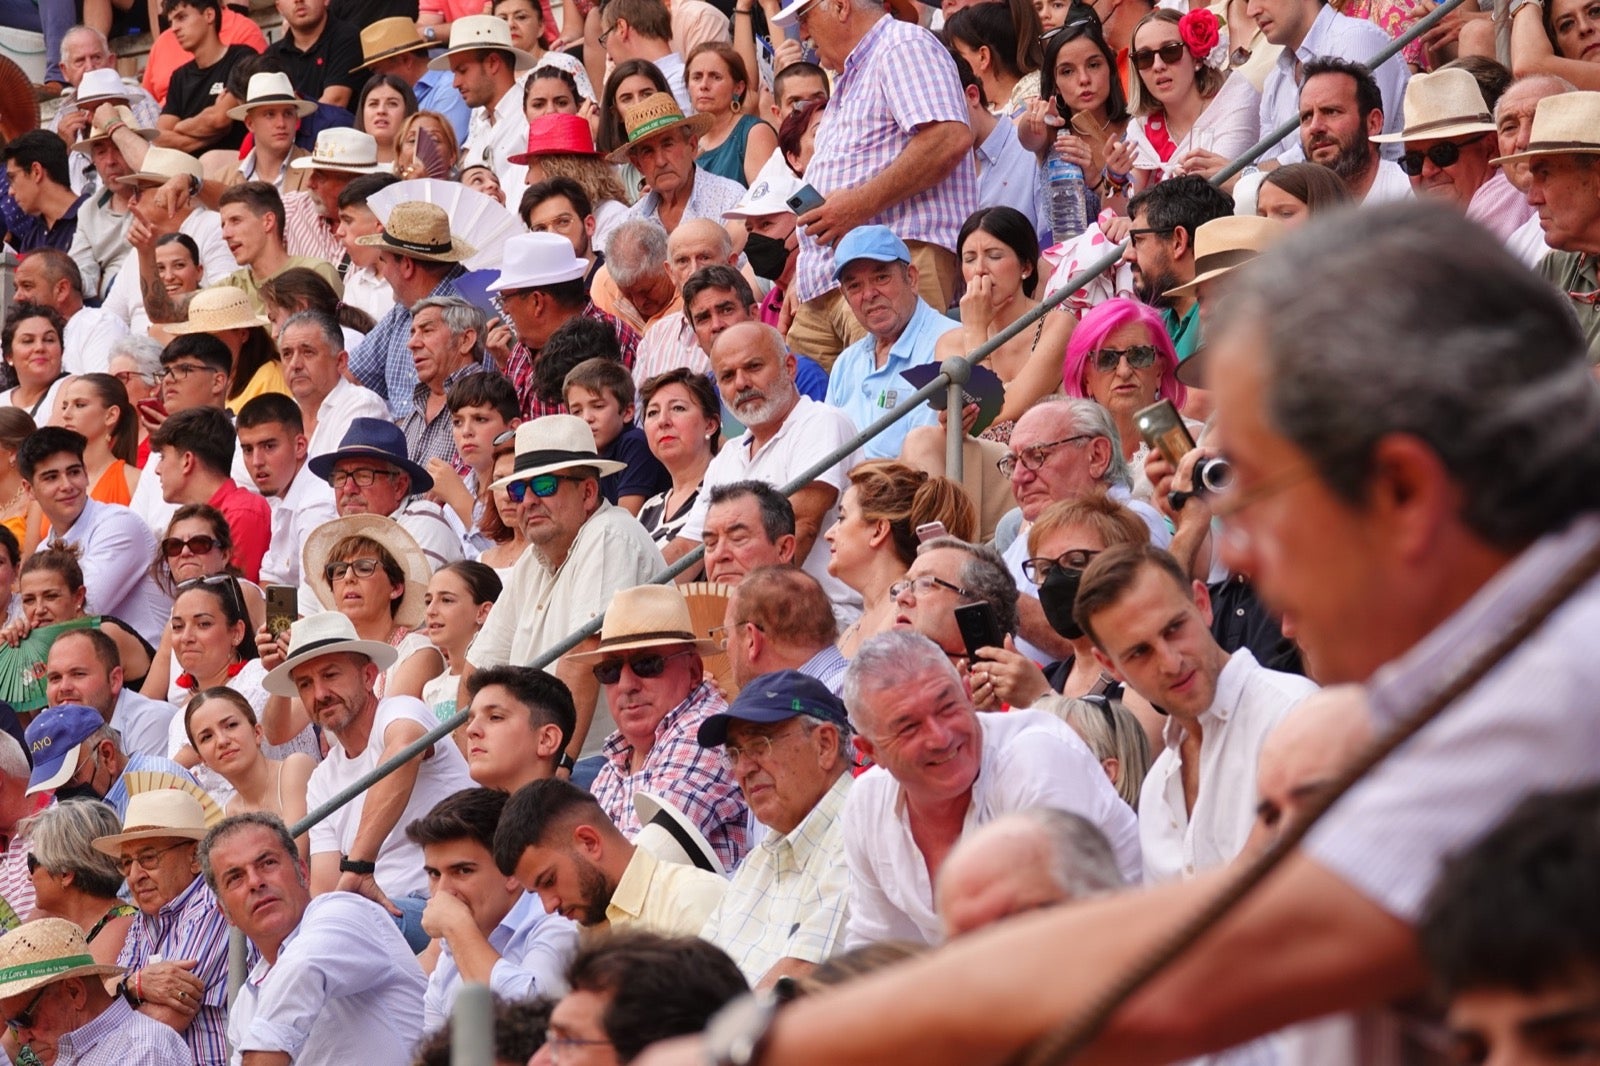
x: 393, y: 46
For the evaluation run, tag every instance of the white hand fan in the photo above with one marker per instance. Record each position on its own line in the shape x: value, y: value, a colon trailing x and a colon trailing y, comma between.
x: 474, y: 217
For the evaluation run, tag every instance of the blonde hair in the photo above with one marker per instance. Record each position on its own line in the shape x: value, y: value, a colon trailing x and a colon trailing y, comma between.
x: 1115, y: 523
x: 1112, y: 732
x: 1207, y: 79
x: 888, y: 490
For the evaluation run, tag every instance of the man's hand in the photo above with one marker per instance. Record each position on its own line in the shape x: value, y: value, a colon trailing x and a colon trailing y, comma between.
x: 497, y: 342
x: 787, y: 51
x: 366, y: 885
x: 170, y: 984
x: 839, y: 214
x: 172, y: 196
x: 73, y: 122
x: 445, y: 915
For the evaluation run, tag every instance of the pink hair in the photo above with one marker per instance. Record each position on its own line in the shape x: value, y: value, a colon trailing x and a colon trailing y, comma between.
x: 1104, y: 319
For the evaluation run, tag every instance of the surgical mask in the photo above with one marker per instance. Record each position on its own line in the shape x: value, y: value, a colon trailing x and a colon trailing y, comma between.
x: 1057, y: 595
x: 768, y: 255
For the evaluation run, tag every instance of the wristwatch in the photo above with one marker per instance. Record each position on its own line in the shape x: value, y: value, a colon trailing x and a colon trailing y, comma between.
x: 430, y: 34
x: 348, y: 865
x: 125, y: 990
x: 737, y: 1034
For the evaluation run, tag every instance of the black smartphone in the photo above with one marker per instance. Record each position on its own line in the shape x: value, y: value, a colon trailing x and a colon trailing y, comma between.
x: 1162, y: 428
x: 806, y: 199
x: 979, y: 628
x: 283, y: 607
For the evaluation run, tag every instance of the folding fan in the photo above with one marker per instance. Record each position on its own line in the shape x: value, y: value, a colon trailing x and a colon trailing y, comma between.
x: 137, y: 781
x: 9, y: 918
x: 474, y: 217
x: 19, y: 107
x: 22, y: 667
x: 708, y: 606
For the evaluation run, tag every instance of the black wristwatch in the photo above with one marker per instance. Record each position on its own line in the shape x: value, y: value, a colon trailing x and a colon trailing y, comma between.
x: 737, y: 1034
x: 125, y: 990
x: 566, y: 762
x: 348, y: 865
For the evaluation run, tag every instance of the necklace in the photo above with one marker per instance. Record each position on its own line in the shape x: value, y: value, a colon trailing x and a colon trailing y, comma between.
x: 16, y: 498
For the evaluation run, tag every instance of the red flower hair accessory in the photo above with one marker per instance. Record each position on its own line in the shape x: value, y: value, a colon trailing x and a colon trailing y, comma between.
x: 1200, y: 31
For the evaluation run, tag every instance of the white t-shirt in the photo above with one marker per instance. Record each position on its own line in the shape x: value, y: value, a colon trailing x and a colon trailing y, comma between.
x: 344, y: 404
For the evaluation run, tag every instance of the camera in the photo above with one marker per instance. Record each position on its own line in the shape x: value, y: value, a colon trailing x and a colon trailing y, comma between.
x: 1212, y: 475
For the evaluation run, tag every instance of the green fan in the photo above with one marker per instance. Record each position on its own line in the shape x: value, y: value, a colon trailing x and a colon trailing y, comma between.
x: 22, y: 667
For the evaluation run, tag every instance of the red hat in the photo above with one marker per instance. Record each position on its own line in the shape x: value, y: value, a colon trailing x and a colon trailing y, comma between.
x: 556, y: 134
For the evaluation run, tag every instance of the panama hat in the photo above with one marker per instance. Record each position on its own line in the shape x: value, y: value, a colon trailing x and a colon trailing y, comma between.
x: 324, y: 633
x: 1225, y: 243
x: 268, y: 89
x: 1564, y: 124
x: 98, y: 87
x: 481, y: 33
x: 389, y: 37
x: 421, y: 231
x: 651, y: 117
x: 349, y: 151
x: 556, y: 134
x: 552, y: 443
x: 44, y: 951
x: 217, y: 308
x: 646, y: 616
x: 394, y: 539
x: 534, y: 260
x: 156, y: 815
x: 97, y: 133
x: 161, y: 165
x: 1446, y: 103
x: 375, y: 438
x: 669, y: 835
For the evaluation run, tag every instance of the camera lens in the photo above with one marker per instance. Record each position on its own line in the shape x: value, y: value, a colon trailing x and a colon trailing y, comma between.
x: 1214, y: 475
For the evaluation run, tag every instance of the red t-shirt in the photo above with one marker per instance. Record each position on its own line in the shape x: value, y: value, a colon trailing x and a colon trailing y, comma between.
x: 250, y: 523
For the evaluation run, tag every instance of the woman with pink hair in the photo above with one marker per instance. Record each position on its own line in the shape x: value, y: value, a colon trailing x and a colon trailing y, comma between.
x: 1121, y: 357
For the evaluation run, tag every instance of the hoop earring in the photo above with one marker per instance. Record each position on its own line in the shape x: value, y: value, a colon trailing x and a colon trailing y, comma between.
x: 737, y: 103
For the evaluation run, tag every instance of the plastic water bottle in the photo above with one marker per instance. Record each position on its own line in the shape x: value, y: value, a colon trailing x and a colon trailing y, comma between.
x: 1064, y: 191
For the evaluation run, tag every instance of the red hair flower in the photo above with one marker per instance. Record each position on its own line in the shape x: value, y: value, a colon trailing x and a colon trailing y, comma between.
x: 1200, y: 31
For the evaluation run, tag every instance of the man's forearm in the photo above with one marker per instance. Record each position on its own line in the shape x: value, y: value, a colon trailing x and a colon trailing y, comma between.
x: 475, y: 956
x: 933, y: 152
x: 158, y: 302
x: 385, y: 803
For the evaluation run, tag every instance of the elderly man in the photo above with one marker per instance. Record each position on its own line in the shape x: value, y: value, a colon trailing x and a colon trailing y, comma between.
x: 946, y: 574
x: 86, y: 57
x: 272, y: 440
x: 749, y: 524
x: 662, y: 144
x: 941, y: 769
x: 778, y: 618
x: 83, y: 667
x: 53, y: 995
x: 336, y: 982
x: 636, y: 285
x: 1151, y: 627
x: 100, y: 246
x: 485, y: 66
x: 76, y: 755
x: 446, y: 345
x: 1449, y: 138
x: 557, y: 842
x: 51, y: 277
x: 176, y: 953
x: 1161, y: 250
x: 787, y: 431
x: 362, y: 846
x: 670, y: 341
x: 16, y: 880
x: 874, y: 271
x: 896, y: 149
x: 339, y: 156
x: 1020, y: 862
x: 1300, y: 758
x: 649, y: 662
x: 786, y: 739
x: 519, y: 723
x: 490, y: 932
x: 311, y: 345
x: 1513, y: 116
x: 582, y: 551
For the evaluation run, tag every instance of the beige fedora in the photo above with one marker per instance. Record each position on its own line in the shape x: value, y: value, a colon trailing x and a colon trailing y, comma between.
x: 1564, y: 124
x: 1225, y: 243
x: 1446, y: 103
x: 161, y: 165
x: 555, y: 442
x: 268, y: 89
x: 395, y: 540
x: 217, y: 308
x: 646, y: 616
x: 421, y: 231
x: 389, y: 37
x: 343, y: 149
x: 323, y: 633
x: 481, y: 33
x: 653, y: 116
x: 160, y: 814
x: 97, y: 133
x: 44, y: 951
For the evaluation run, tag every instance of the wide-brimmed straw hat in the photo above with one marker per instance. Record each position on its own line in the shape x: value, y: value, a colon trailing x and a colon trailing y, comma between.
x: 1564, y: 124
x: 1226, y: 243
x: 646, y: 616
x: 324, y: 633
x: 343, y: 149
x: 421, y: 231
x: 668, y: 834
x: 653, y: 116
x: 481, y: 33
x: 389, y: 37
x: 44, y: 951
x: 268, y: 89
x: 161, y: 165
x: 556, y: 134
x: 217, y: 308
x: 1446, y: 103
x: 553, y: 443
x: 394, y: 539
x: 160, y: 814
x: 97, y: 133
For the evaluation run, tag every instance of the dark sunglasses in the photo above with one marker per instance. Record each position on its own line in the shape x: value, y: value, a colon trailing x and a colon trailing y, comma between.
x: 23, y: 1019
x: 173, y: 547
x: 1040, y: 568
x: 644, y: 667
x: 544, y: 486
x: 1444, y: 154
x: 33, y: 864
x: 1139, y: 356
x: 1170, y: 53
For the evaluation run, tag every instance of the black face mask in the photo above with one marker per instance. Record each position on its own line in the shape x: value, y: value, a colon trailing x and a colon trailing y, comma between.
x: 83, y: 789
x: 1056, y: 596
x: 768, y: 255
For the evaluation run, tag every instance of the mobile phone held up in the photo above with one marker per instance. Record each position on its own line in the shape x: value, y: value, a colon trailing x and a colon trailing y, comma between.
x: 804, y: 200
x: 1162, y: 428
x: 283, y: 607
x: 980, y: 628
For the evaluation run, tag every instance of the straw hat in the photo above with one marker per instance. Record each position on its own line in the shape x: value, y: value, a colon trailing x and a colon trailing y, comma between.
x: 1564, y: 124
x: 653, y: 116
x: 389, y: 37
x: 157, y: 815
x: 97, y: 133
x: 44, y: 951
x: 267, y: 89
x: 161, y: 165
x: 1225, y: 243
x: 394, y: 539
x: 1446, y: 103
x: 217, y: 308
x: 646, y: 616
x: 421, y: 231
x: 341, y: 148
x: 481, y: 33
x: 552, y: 443
x: 100, y: 87
x: 669, y: 834
x: 324, y: 633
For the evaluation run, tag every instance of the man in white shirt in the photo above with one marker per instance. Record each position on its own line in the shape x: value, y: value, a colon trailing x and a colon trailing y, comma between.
x: 336, y: 982
x: 941, y: 769
x: 485, y: 67
x: 314, y: 361
x: 82, y: 667
x: 49, y: 276
x: 1152, y: 629
x: 274, y: 446
x: 490, y: 931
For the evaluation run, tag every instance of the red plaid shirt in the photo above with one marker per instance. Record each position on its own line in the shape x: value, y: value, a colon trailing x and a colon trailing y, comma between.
x: 519, y: 368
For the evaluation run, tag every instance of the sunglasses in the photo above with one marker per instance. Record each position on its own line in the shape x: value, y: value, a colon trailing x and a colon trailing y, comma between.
x: 544, y: 486
x: 23, y: 1019
x: 363, y: 568
x: 644, y: 667
x: 1444, y: 154
x: 1170, y: 53
x: 173, y: 547
x: 33, y: 864
x: 1139, y: 356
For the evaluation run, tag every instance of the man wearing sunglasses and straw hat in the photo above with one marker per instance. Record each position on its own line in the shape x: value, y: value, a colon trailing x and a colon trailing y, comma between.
x: 54, y: 1000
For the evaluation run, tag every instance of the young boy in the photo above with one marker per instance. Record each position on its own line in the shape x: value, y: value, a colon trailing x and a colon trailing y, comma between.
x: 600, y: 391
x: 482, y: 407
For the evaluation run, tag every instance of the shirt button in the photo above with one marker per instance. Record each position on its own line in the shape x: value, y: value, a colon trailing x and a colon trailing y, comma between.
x: 1239, y: 612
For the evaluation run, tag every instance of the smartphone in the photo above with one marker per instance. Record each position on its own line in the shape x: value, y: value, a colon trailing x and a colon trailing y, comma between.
x: 807, y: 199
x: 929, y: 530
x: 979, y: 627
x: 154, y: 408
x: 1162, y: 428
x: 283, y: 607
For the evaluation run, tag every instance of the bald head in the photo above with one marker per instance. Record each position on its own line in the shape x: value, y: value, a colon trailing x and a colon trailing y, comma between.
x: 1513, y: 119
x: 1304, y: 753
x: 755, y: 374
x: 695, y: 244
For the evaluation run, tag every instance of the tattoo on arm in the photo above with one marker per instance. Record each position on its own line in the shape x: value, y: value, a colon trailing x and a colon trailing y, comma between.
x: 160, y: 305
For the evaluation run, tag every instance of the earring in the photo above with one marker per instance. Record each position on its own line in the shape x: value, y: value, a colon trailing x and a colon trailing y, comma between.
x: 737, y: 103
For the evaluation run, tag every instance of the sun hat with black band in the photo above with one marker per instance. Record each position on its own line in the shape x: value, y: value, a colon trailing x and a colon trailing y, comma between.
x: 160, y: 814
x: 1221, y: 246
x: 324, y: 633
x: 653, y: 116
x: 387, y: 38
x: 775, y: 697
x: 380, y: 439
x: 646, y: 616
x: 270, y: 89
x: 420, y: 231
x: 554, y: 443
x: 380, y: 529
x: 1564, y: 124
x: 44, y: 951
x: 1441, y: 105
x: 669, y: 835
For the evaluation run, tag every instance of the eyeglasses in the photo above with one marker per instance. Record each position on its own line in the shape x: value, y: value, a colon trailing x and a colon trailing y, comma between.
x: 544, y: 486
x: 23, y: 1019
x: 605, y: 35
x: 757, y: 747
x: 1135, y: 234
x: 1033, y: 457
x: 180, y: 371
x: 556, y: 1043
x: 644, y: 667
x: 1170, y: 53
x: 1444, y: 154
x: 173, y: 547
x: 147, y: 860
x: 363, y: 567
x: 127, y: 376
x: 1037, y: 569
x: 364, y: 477
x: 1229, y: 504
x: 922, y: 585
x: 1139, y: 357
x: 721, y: 634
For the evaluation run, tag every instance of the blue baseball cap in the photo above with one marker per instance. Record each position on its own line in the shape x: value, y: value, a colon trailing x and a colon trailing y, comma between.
x: 775, y: 697
x: 54, y: 739
x: 877, y: 243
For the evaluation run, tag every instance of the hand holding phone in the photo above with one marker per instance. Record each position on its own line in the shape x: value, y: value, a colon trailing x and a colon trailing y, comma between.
x: 1163, y: 429
x: 980, y: 628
